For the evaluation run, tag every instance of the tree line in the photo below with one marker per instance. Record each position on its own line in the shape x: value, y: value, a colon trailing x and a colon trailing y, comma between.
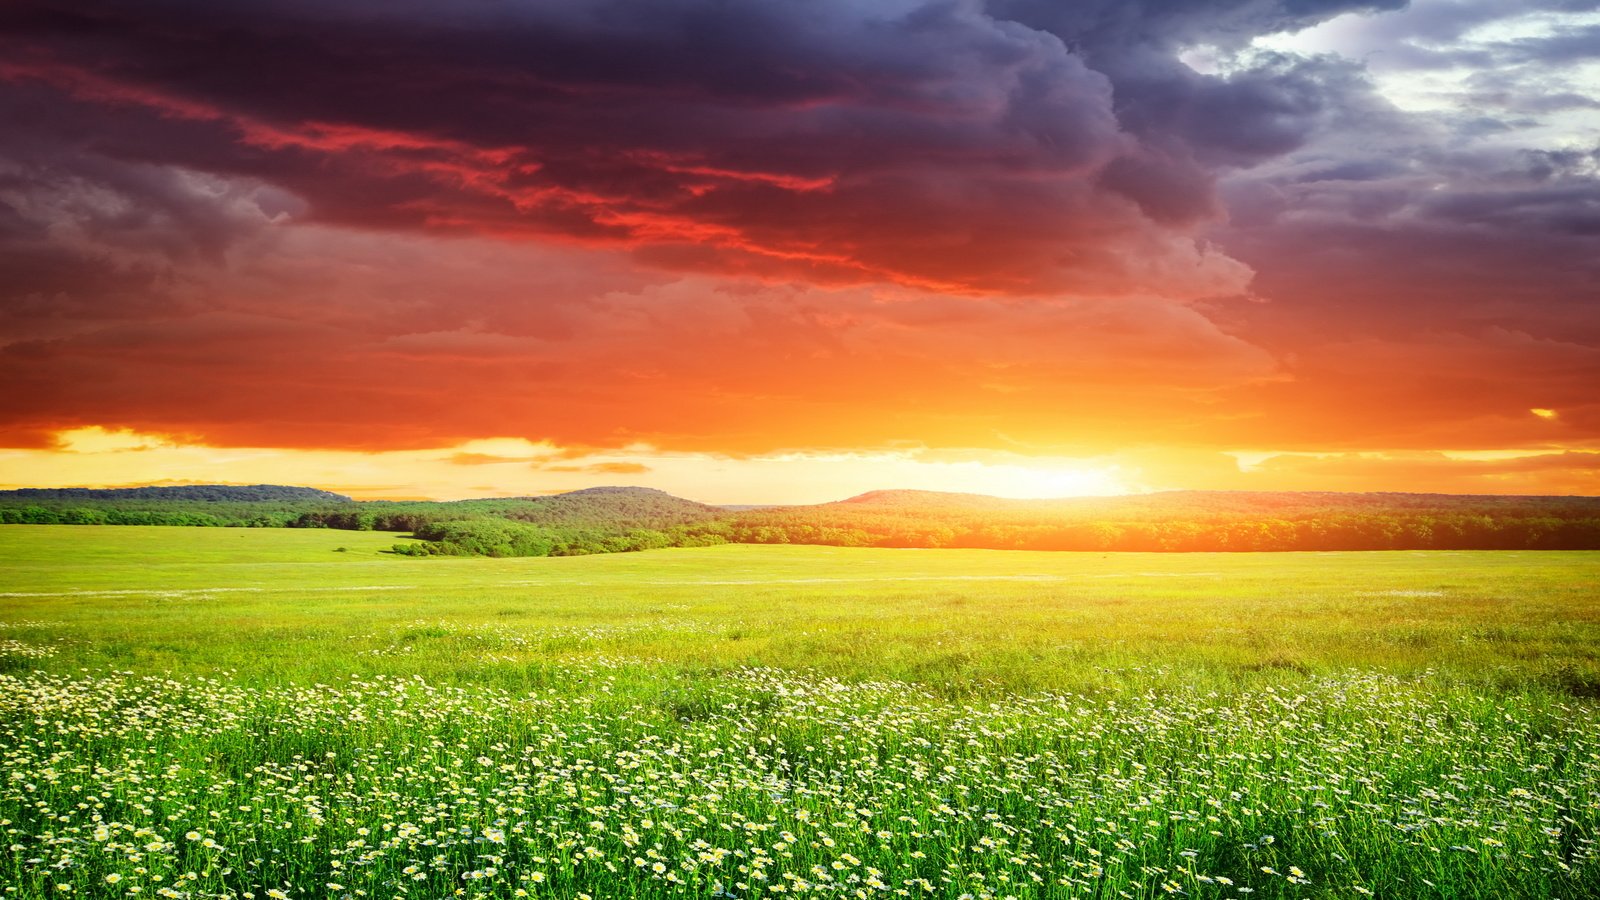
x: 611, y: 520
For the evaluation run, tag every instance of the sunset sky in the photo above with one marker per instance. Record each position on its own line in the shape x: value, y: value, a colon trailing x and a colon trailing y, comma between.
x: 792, y: 250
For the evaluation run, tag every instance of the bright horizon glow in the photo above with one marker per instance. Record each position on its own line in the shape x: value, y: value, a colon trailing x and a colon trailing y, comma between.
x: 505, y: 467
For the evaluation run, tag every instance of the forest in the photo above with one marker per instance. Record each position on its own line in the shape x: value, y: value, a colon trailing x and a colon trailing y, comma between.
x: 620, y: 519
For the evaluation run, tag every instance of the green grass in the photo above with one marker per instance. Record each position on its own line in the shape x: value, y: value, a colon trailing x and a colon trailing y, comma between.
x: 913, y: 722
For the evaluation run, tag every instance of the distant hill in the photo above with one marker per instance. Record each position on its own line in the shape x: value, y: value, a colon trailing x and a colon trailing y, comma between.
x: 1183, y: 520
x: 201, y: 493
x: 1167, y: 504
x: 622, y: 507
x: 608, y: 519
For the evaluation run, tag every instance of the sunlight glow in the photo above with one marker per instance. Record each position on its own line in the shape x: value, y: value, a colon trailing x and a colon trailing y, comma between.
x: 95, y: 439
x: 1029, y: 483
x: 507, y: 466
x: 513, y: 467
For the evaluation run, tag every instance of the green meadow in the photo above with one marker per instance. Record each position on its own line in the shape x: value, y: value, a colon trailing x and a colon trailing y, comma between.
x: 275, y: 713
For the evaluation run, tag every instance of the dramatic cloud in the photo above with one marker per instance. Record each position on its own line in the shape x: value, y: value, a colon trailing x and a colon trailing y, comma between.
x: 926, y: 143
x: 1317, y: 226
x: 418, y: 354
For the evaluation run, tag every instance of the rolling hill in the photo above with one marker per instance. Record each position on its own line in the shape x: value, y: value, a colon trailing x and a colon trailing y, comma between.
x: 606, y: 519
x: 623, y: 507
x: 193, y: 493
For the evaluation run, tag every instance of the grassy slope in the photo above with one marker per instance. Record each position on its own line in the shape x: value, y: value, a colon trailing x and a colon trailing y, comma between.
x: 286, y: 604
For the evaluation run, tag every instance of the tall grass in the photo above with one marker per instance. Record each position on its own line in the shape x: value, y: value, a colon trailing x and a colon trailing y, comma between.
x: 194, y: 714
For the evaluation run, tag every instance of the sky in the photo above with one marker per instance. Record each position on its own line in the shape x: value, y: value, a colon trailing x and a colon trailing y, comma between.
x: 752, y: 251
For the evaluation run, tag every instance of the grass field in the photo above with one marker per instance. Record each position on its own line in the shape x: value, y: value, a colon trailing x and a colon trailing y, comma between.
x: 271, y: 713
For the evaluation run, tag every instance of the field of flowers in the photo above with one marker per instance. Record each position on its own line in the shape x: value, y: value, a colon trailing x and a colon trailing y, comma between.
x: 545, y: 762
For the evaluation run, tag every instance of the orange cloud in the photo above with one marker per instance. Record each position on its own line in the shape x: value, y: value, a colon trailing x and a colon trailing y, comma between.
x: 605, y: 468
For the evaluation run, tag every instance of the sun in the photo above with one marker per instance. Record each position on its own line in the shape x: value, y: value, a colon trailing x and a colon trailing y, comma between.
x: 1022, y: 482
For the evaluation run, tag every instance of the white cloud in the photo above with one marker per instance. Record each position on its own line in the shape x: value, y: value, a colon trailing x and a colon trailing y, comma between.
x: 1469, y: 58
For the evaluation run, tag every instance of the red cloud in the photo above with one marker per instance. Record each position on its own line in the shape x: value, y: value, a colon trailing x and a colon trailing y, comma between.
x: 942, y: 149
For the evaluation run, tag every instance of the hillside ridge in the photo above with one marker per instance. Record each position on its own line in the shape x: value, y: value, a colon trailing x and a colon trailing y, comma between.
x: 204, y: 493
x: 611, y: 518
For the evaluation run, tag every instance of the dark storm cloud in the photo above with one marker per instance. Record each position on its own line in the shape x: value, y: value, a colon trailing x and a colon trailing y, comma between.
x: 647, y: 121
x: 1019, y: 146
x: 1376, y: 247
x: 1191, y: 125
x: 1453, y: 219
